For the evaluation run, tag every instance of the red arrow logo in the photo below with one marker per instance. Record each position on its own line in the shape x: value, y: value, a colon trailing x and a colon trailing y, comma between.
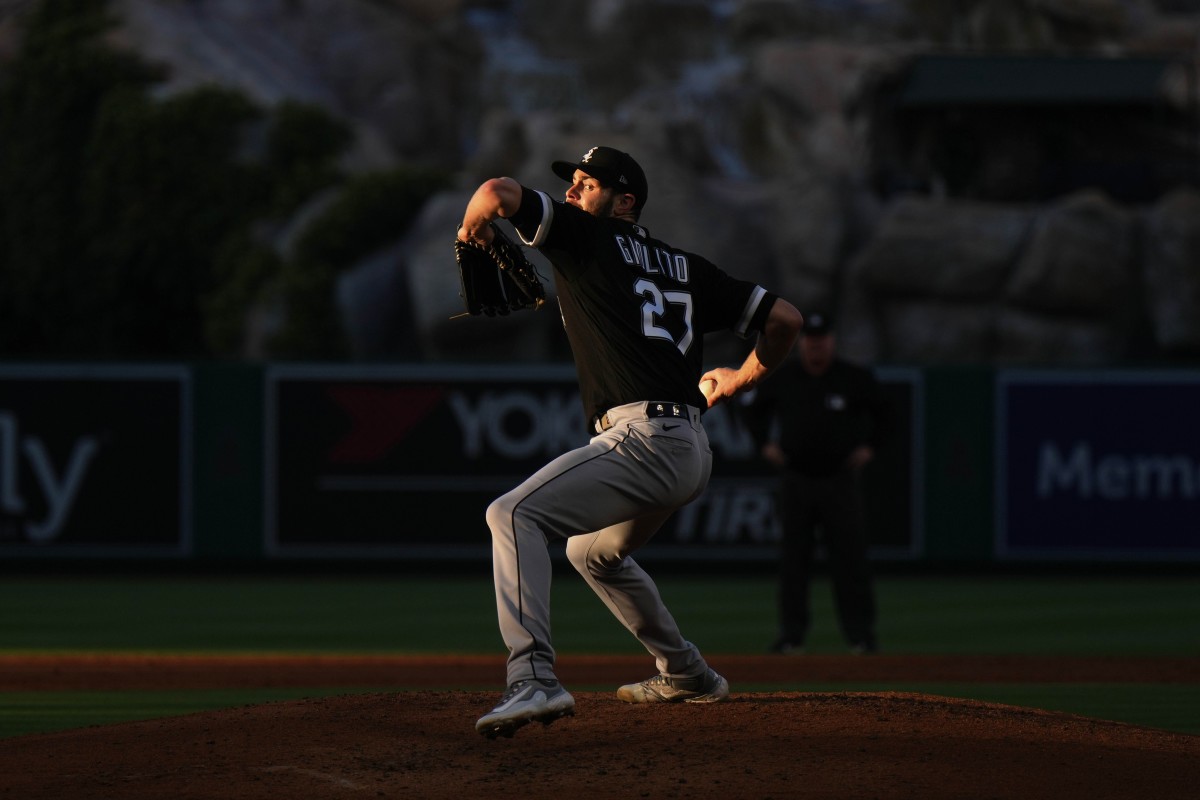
x: 380, y: 418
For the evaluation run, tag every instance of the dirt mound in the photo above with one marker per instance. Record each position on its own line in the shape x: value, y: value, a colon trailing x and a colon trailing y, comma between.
x: 421, y: 743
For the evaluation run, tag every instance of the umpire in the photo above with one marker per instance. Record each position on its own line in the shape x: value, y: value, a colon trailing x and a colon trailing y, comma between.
x: 820, y: 420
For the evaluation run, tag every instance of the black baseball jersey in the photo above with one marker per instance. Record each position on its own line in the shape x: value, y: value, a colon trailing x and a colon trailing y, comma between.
x: 635, y: 309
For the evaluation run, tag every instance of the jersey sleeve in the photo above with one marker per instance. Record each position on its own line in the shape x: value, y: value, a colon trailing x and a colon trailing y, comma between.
x: 758, y: 308
x: 736, y: 305
x: 565, y: 234
x: 533, y: 218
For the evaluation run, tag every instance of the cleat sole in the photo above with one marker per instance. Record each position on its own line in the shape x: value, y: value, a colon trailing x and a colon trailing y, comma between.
x: 505, y: 729
x: 546, y: 719
x: 510, y: 726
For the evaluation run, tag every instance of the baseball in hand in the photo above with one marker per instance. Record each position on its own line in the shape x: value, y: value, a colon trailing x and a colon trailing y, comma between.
x: 708, y: 387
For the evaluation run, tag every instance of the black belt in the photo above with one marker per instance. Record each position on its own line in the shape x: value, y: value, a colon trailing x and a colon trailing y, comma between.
x: 655, y: 409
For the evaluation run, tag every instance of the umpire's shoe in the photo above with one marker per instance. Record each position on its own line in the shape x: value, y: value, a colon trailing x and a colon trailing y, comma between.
x: 707, y: 688
x: 525, y: 702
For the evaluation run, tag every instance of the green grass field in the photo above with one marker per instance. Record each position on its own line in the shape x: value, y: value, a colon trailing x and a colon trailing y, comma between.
x: 356, y: 614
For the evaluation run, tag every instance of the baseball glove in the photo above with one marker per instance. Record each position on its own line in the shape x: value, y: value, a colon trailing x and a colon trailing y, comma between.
x: 498, y: 279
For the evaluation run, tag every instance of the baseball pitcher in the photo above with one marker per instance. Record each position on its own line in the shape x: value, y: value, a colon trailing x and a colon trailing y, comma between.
x: 635, y: 310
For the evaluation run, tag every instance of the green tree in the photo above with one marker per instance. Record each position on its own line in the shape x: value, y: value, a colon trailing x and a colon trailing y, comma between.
x: 162, y: 191
x: 49, y: 97
x: 363, y: 218
x: 138, y: 227
x: 302, y: 145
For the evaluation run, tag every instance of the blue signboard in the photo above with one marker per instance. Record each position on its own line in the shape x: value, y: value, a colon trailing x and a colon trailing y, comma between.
x: 1098, y: 465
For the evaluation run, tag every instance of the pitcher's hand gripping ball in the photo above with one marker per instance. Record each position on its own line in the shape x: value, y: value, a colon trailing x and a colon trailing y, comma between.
x: 497, y: 279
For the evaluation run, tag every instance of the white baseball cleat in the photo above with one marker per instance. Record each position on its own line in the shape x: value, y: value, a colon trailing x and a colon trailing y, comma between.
x: 524, y: 702
x: 707, y: 688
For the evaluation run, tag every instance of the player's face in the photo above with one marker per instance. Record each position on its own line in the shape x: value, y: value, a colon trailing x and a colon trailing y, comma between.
x: 586, y: 193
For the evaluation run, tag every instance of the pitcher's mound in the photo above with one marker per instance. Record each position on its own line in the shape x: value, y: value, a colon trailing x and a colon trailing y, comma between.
x: 423, y: 745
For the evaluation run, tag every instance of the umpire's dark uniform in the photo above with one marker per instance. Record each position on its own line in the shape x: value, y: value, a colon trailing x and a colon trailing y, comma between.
x: 818, y: 421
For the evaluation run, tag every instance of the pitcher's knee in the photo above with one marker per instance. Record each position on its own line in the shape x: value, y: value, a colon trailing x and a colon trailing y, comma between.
x: 510, y: 518
x: 577, y: 553
x: 499, y: 514
x: 588, y: 559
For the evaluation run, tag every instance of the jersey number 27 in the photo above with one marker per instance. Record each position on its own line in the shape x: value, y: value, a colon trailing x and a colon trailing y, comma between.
x: 654, y: 309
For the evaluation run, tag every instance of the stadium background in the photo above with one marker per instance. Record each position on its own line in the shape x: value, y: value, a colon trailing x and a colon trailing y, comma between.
x: 337, y: 510
x: 191, y: 479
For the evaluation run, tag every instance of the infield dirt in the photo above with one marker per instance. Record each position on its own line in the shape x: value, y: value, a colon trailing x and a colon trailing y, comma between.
x: 420, y: 742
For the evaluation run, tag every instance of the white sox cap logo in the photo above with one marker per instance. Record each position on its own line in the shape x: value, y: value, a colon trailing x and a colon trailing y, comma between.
x: 587, y: 159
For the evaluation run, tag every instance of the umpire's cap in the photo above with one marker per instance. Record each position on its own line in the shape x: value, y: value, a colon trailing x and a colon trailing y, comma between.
x: 817, y: 323
x: 611, y: 167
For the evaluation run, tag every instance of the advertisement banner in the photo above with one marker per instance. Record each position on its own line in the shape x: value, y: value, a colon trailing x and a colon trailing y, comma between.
x: 1098, y: 465
x: 94, y: 461
x: 403, y: 462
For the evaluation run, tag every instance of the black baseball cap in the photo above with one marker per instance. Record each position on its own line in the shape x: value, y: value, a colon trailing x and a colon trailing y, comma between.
x: 612, y: 168
x: 818, y: 323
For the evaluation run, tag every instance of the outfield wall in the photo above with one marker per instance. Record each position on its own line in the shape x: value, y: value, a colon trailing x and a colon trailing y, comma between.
x: 311, y: 462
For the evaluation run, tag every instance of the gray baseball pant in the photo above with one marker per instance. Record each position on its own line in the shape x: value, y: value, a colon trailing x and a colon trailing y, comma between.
x: 607, y: 498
